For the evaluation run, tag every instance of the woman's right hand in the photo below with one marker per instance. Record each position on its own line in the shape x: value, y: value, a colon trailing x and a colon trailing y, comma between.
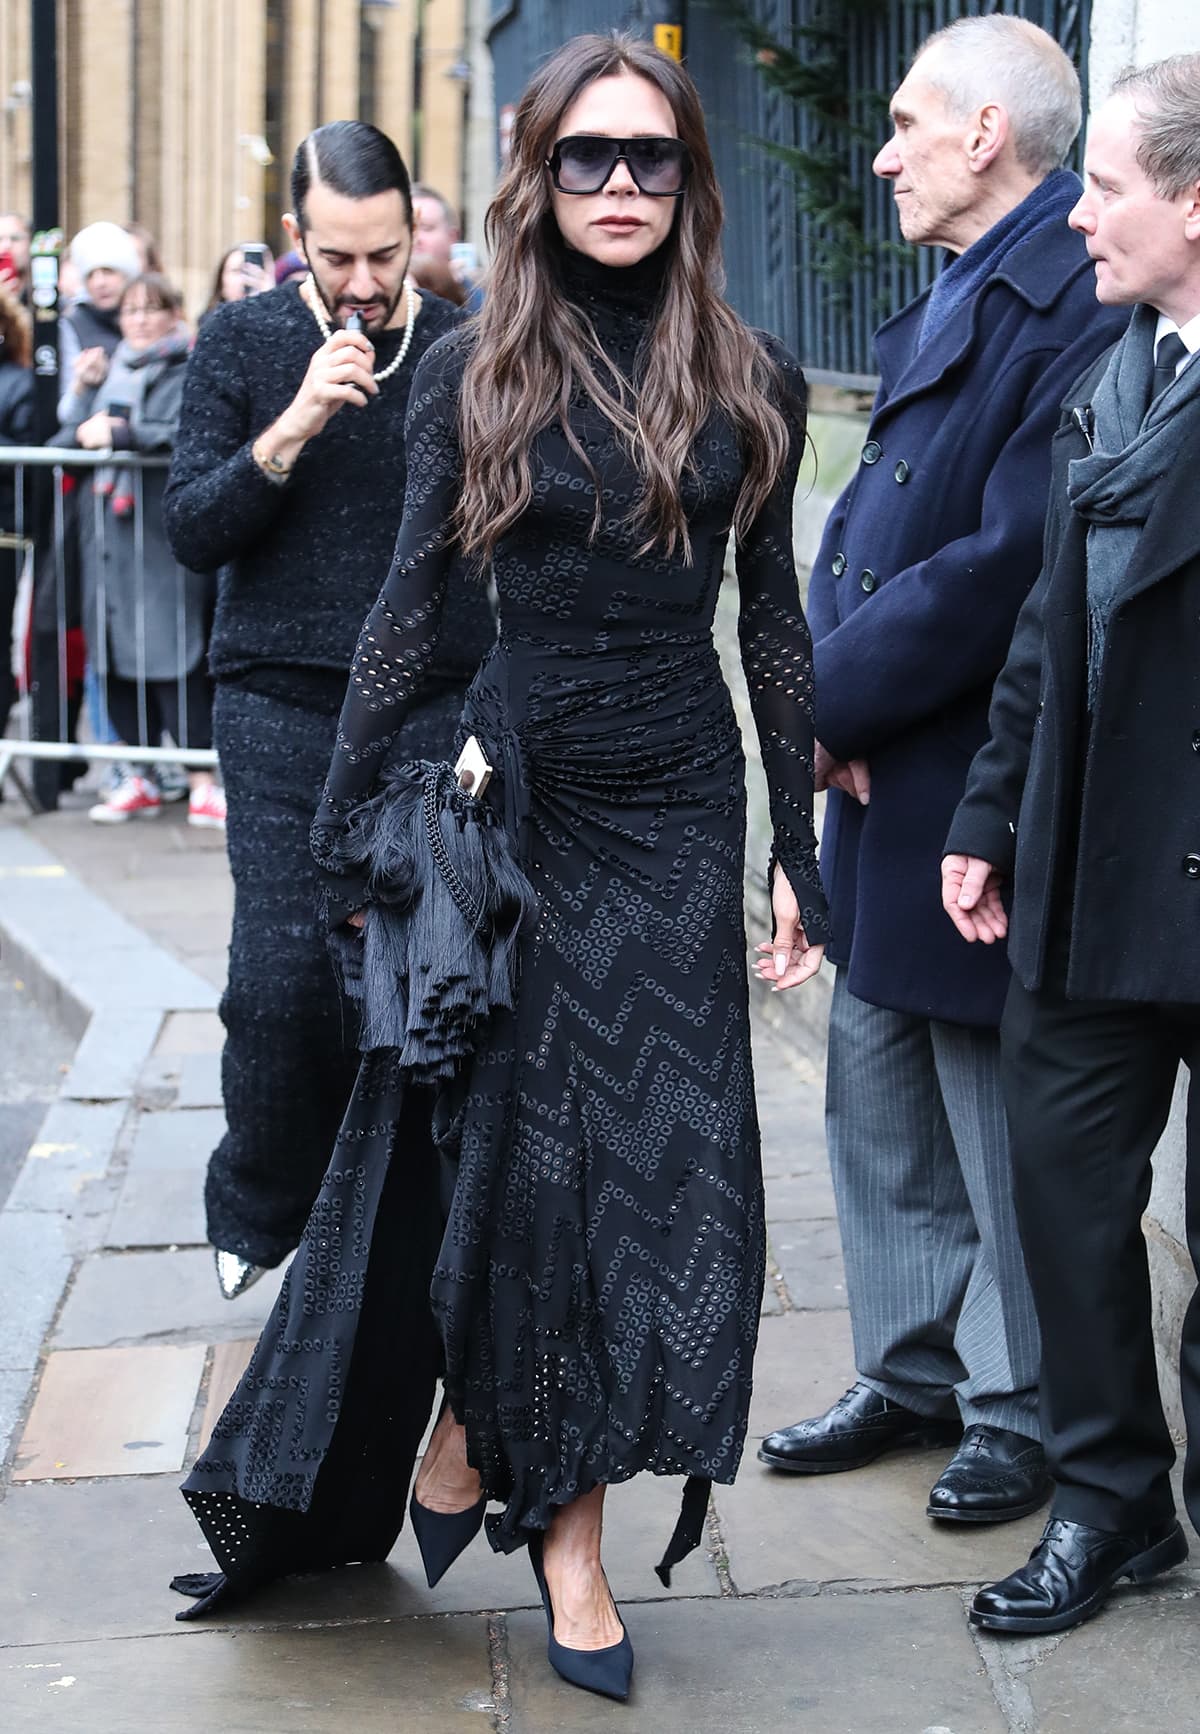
x: 91, y: 366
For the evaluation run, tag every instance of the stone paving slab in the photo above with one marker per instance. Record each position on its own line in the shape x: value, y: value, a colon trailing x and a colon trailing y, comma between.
x: 178, y: 1139
x: 35, y: 1262
x: 199, y: 1081
x: 809, y: 1255
x: 191, y: 1032
x: 111, y: 1412
x: 159, y: 1207
x: 110, y: 1056
x: 97, y: 958
x: 94, y: 1559
x: 803, y: 1364
x: 806, y: 1191
x: 1136, y: 1667
x: 853, y: 1664
x: 130, y: 1297
x: 72, y: 1152
x: 14, y: 1395
x: 419, y: 1677
x: 229, y: 1362
x: 866, y: 1525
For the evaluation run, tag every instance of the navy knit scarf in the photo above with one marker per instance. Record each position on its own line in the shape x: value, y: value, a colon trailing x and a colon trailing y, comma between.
x: 1044, y: 207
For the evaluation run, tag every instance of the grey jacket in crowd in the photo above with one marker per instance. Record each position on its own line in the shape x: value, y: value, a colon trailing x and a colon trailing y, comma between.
x: 157, y: 613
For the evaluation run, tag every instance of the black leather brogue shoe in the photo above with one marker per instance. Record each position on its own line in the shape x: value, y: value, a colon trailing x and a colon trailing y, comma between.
x: 1071, y: 1573
x: 860, y: 1427
x: 993, y: 1477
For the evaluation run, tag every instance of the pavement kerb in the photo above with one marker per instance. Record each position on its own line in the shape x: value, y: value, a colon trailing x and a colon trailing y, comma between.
x: 111, y: 985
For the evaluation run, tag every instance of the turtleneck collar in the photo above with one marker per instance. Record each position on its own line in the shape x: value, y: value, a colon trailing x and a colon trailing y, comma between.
x: 635, y: 288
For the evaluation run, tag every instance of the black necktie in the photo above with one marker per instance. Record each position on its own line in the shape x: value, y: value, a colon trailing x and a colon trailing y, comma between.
x: 1170, y: 352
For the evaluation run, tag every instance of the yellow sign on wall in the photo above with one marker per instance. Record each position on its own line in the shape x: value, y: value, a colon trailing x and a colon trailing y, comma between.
x: 669, y: 37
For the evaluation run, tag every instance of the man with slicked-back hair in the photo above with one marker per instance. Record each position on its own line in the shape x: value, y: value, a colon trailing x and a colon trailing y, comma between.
x: 925, y: 562
x: 289, y: 476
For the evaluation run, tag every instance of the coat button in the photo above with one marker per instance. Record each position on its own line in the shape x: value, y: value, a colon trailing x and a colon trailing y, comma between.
x: 869, y: 582
x: 872, y: 452
x: 1196, y: 740
x: 839, y: 566
x: 1191, y: 866
x: 902, y: 471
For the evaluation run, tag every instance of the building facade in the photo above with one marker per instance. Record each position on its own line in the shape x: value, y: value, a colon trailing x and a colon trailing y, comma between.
x: 184, y: 114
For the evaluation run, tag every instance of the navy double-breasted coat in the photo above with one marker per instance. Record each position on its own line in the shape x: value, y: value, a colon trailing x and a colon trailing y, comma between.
x: 923, y: 567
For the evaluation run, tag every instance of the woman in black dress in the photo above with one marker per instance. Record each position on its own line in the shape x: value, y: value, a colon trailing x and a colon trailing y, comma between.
x: 596, y: 1293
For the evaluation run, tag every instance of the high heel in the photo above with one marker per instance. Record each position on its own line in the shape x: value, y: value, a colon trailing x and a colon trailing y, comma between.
x: 442, y: 1535
x: 236, y: 1274
x: 609, y: 1671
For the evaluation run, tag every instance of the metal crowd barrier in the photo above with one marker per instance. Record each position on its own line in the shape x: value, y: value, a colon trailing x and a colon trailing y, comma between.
x: 61, y: 615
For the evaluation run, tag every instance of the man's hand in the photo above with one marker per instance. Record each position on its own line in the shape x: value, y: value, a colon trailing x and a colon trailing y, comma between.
x: 96, y: 433
x: 91, y: 369
x: 340, y: 372
x: 852, y: 776
x: 971, y: 898
x: 788, y: 959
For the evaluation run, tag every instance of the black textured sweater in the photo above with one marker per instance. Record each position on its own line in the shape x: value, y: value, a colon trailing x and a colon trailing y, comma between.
x: 303, y: 562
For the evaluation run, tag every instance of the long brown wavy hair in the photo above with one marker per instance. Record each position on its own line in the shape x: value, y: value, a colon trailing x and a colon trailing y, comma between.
x: 533, y: 348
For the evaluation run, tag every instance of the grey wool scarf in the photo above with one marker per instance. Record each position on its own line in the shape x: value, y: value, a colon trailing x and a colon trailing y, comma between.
x: 1114, y: 487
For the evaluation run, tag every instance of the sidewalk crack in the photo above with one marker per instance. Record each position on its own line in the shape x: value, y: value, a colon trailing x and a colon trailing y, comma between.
x: 497, y: 1635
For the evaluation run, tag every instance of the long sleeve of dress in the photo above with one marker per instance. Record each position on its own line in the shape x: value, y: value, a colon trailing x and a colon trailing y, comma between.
x: 777, y: 657
x: 396, y: 646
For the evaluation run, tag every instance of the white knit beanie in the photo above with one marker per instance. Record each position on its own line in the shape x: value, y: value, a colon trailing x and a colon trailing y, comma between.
x: 103, y: 245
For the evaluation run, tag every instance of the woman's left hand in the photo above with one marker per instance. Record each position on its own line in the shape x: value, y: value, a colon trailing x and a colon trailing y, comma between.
x: 788, y: 959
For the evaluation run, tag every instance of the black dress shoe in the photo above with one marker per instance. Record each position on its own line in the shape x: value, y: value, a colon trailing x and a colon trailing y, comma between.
x: 993, y: 1477
x: 860, y: 1427
x: 1070, y: 1574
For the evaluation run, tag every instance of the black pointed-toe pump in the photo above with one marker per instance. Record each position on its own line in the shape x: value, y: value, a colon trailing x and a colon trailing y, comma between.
x: 442, y: 1535
x: 609, y: 1671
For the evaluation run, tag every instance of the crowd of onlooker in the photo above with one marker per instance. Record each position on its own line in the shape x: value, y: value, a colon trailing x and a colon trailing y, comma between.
x: 124, y: 344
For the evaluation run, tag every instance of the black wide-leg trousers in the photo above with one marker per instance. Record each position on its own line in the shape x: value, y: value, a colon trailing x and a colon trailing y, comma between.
x: 290, y: 1060
x: 1089, y: 1087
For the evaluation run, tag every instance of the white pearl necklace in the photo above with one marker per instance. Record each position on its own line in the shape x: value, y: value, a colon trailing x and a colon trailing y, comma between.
x: 318, y: 312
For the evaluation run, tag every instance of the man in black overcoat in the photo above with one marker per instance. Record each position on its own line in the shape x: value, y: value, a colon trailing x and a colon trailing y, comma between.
x: 1081, y: 814
x: 924, y: 565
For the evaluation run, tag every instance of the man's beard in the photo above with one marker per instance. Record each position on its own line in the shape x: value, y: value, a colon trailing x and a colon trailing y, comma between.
x: 337, y: 312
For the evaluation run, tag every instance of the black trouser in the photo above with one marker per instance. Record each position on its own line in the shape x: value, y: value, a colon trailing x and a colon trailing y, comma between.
x: 189, y: 723
x: 1089, y: 1088
x: 289, y: 1062
x: 290, y: 1059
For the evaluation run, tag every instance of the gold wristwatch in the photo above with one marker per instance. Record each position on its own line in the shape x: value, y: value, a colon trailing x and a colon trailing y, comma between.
x: 271, y: 464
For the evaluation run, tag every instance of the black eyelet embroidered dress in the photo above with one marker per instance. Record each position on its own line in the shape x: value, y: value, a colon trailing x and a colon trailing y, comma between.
x: 599, y: 1279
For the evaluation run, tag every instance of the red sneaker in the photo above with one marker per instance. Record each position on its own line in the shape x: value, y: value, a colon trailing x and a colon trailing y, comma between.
x: 206, y: 807
x: 133, y: 798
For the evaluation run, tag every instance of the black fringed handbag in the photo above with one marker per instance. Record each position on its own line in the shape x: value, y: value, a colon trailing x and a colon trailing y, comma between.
x: 447, y: 904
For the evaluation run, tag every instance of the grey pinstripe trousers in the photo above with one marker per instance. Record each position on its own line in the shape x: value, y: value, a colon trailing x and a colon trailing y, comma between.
x: 940, y: 1303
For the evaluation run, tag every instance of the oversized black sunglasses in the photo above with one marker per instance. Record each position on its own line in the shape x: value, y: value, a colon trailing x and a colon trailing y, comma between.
x: 584, y: 162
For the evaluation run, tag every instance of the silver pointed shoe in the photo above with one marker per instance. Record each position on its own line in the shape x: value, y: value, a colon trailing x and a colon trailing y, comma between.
x: 235, y: 1275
